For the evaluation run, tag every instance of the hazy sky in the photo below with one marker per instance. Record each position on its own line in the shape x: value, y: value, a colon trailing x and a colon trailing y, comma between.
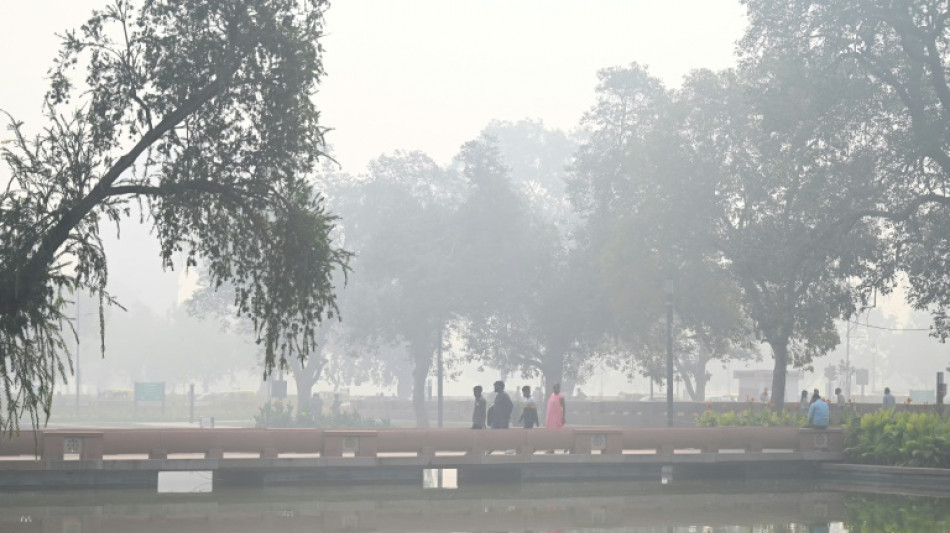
x: 429, y: 74
x: 417, y: 74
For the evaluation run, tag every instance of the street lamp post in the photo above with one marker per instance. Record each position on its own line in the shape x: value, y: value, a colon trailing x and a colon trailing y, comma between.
x: 669, y: 351
x: 441, y: 372
x: 78, y: 375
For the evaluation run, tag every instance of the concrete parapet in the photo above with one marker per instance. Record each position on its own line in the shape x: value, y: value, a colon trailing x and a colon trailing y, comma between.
x: 580, y: 452
x: 56, y: 444
x: 361, y: 443
x: 601, y: 440
x: 822, y: 440
x: 271, y: 443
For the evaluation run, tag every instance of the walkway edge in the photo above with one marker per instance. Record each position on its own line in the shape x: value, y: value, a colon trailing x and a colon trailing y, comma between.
x: 879, y: 476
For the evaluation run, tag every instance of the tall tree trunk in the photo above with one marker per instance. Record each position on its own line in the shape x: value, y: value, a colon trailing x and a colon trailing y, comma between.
x: 404, y: 382
x: 696, y: 377
x: 685, y: 374
x: 422, y: 358
x: 306, y: 376
x: 780, y: 353
x: 701, y: 379
x: 305, y: 383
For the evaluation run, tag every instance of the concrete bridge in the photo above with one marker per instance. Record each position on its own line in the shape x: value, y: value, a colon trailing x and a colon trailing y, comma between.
x: 134, y: 457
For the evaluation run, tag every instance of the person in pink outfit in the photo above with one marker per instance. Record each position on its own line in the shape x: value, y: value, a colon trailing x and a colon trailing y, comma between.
x: 556, y: 417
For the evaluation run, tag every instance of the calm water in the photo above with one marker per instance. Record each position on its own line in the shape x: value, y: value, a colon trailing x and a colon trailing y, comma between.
x: 588, y: 507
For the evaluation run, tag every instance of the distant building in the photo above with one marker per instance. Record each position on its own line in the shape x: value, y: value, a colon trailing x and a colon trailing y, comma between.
x: 753, y: 382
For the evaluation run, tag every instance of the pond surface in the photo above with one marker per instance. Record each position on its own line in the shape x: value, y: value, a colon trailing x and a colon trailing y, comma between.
x: 731, y: 507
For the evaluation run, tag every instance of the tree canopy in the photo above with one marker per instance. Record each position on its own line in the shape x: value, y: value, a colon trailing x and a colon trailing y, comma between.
x: 197, y: 114
x: 882, y: 66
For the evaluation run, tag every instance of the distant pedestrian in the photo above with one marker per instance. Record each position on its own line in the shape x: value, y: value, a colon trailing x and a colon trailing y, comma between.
x: 816, y: 395
x: 501, y: 408
x: 818, y: 414
x: 557, y: 412
x: 335, y: 407
x: 479, y: 412
x: 529, y: 415
x: 764, y: 397
x: 316, y: 405
x: 839, y: 404
x: 803, y: 403
x: 889, y: 401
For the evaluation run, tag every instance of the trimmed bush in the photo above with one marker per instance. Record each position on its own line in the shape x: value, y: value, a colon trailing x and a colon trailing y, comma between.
x: 751, y: 417
x: 899, y: 439
x: 277, y: 414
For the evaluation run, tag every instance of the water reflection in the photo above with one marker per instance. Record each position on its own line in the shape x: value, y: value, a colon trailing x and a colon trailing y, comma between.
x: 588, y: 508
x: 884, y: 513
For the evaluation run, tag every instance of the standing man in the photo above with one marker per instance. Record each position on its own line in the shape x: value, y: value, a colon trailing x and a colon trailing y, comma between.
x: 478, y: 414
x: 764, y: 397
x: 889, y: 400
x: 557, y: 413
x: 500, y: 408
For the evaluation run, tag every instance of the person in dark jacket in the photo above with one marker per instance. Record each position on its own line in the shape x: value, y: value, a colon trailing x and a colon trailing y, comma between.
x: 478, y: 414
x: 501, y: 408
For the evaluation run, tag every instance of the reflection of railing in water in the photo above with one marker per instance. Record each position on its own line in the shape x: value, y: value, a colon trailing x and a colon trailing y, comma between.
x: 606, y: 506
x: 359, y: 455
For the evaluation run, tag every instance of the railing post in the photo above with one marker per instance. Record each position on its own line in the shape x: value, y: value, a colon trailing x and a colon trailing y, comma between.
x: 88, y: 444
x: 361, y: 443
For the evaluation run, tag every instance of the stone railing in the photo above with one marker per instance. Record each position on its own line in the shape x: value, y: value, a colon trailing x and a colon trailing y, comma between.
x: 119, y: 444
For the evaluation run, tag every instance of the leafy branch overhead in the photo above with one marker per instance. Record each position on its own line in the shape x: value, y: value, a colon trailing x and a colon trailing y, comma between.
x: 197, y: 116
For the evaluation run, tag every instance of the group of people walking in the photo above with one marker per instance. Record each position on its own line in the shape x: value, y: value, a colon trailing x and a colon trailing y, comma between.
x: 498, y: 415
x: 819, y: 410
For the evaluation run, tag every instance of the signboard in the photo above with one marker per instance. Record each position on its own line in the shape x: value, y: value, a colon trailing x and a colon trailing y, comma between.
x: 146, y: 392
x: 923, y: 396
x: 862, y: 375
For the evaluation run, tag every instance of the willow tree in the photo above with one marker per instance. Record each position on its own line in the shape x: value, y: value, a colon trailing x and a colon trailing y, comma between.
x: 196, y: 116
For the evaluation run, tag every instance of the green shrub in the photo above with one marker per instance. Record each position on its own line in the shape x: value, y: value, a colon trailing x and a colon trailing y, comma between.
x: 899, y: 439
x: 763, y: 417
x: 277, y: 414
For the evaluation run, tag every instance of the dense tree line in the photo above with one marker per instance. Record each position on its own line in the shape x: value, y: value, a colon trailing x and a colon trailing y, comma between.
x: 777, y: 198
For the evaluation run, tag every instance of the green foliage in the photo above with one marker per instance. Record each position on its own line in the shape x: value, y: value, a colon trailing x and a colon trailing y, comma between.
x: 699, y: 184
x: 275, y: 414
x: 888, y: 437
x: 279, y: 414
x: 198, y: 113
x: 876, y: 80
x: 758, y: 417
